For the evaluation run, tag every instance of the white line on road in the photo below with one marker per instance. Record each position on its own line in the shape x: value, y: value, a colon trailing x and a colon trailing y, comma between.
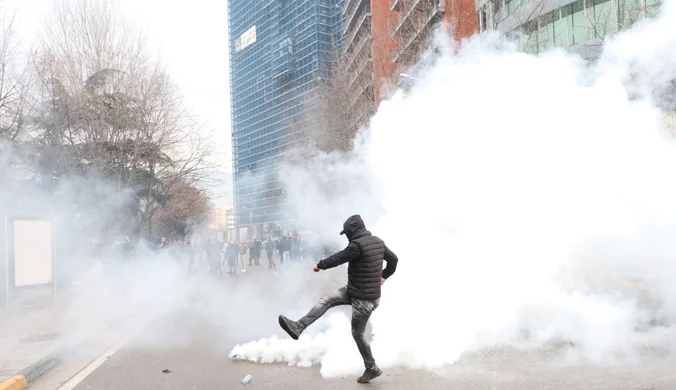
x: 74, y: 381
x: 80, y: 376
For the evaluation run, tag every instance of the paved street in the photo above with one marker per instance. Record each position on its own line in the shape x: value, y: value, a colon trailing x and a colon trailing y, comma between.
x: 195, y: 348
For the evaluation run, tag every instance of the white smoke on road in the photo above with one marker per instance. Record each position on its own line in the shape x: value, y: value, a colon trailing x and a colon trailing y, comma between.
x: 522, y: 195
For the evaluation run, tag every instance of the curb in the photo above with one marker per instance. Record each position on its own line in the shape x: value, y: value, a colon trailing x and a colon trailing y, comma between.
x: 30, y: 374
x: 17, y: 382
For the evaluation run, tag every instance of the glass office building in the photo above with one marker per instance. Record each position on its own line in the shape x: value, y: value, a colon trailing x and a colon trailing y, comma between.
x: 276, y: 52
x: 579, y: 25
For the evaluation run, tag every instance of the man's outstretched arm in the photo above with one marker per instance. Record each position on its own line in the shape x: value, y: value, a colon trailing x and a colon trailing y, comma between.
x: 392, y: 261
x: 352, y: 252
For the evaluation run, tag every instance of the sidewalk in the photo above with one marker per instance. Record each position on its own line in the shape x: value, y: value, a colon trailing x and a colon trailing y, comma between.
x: 28, y: 337
x: 38, y: 326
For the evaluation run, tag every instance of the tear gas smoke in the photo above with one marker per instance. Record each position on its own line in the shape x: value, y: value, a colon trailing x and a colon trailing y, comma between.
x: 521, y: 194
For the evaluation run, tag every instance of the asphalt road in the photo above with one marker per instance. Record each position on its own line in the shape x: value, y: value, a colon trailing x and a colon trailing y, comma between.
x: 193, y: 340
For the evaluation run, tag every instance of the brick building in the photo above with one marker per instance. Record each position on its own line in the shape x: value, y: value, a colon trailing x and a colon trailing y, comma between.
x: 401, y: 31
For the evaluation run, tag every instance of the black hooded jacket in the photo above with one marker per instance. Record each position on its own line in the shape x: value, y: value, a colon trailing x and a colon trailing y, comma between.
x: 365, y: 254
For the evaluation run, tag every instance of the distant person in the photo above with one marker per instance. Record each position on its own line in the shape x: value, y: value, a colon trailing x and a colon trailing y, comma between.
x: 127, y: 246
x: 269, y: 251
x: 254, y: 252
x: 285, y: 249
x: 164, y: 244
x: 257, y: 254
x: 214, y: 256
x: 295, y: 249
x: 231, y: 254
x: 365, y: 275
x: 243, y: 248
x: 190, y: 254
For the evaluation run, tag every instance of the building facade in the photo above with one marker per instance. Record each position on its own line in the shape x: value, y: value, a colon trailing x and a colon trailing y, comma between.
x: 356, y: 48
x: 402, y: 31
x: 578, y: 25
x: 276, y: 53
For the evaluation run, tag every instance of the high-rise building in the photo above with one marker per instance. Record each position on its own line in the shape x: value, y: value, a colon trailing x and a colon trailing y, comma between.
x: 578, y: 25
x: 276, y: 52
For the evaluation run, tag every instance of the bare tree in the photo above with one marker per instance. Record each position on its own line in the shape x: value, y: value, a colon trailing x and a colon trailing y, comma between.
x: 186, y: 208
x: 110, y: 112
x: 342, y: 102
x: 16, y: 80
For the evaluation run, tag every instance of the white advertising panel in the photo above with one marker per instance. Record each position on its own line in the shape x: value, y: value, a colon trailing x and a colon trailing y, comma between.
x: 245, y: 40
x: 32, y: 253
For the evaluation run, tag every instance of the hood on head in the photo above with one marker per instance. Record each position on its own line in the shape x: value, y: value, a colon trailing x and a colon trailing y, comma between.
x: 352, y: 225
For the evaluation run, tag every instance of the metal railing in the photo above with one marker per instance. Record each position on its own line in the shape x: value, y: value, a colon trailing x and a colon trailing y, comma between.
x: 394, y: 4
x: 358, y: 25
x: 410, y: 7
x: 352, y: 6
x: 360, y: 69
x: 356, y: 49
x: 432, y: 16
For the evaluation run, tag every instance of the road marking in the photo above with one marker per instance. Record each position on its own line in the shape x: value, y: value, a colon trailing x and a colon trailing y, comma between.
x: 83, y: 374
x: 80, y: 376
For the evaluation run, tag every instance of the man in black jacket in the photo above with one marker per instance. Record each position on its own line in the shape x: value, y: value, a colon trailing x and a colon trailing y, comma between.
x: 365, y: 274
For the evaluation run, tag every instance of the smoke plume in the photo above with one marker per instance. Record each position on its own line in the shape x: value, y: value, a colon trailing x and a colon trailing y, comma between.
x: 529, y: 199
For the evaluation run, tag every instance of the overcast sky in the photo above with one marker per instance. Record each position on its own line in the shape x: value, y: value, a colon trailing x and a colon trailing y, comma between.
x: 192, y: 39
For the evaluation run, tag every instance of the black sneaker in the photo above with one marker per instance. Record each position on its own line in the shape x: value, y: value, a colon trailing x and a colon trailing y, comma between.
x: 370, y: 374
x: 293, y: 328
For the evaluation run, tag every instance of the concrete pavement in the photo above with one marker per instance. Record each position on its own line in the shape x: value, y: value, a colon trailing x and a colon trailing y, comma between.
x: 203, y: 364
x: 38, y: 333
x: 194, y: 348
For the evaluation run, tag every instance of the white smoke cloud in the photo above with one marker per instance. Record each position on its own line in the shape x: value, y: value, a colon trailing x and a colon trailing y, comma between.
x: 520, y: 193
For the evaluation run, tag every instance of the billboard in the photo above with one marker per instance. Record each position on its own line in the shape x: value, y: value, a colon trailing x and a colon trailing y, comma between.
x: 245, y: 40
x: 33, y: 263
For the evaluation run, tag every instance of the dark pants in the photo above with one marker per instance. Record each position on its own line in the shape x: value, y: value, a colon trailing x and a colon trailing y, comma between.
x: 232, y: 265
x: 361, y: 312
x: 215, y: 265
x: 271, y: 263
x: 254, y: 258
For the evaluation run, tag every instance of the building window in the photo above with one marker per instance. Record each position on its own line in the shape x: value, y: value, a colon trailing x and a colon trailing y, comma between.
x: 482, y: 19
x: 604, y: 18
x: 653, y: 8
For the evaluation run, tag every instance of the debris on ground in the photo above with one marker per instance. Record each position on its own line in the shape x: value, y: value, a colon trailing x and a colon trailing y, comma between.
x: 246, y: 379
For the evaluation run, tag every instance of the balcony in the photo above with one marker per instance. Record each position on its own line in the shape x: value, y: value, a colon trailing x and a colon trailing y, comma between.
x: 365, y: 89
x: 364, y: 16
x: 410, y: 8
x: 395, y: 5
x: 360, y: 69
x: 351, y: 10
x: 419, y: 30
x: 366, y: 84
x: 364, y: 42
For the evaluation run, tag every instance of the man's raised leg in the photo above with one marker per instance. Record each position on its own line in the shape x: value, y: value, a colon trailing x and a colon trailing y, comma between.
x: 327, y: 301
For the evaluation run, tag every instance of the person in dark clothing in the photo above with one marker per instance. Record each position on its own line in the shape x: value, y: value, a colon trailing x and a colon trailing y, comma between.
x: 365, y: 275
x: 284, y: 250
x: 254, y: 252
x: 294, y: 246
x: 231, y: 254
x: 214, y: 255
x: 270, y: 250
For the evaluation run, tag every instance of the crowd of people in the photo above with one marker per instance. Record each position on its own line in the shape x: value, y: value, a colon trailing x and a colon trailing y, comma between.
x: 282, y: 250
x: 270, y: 252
